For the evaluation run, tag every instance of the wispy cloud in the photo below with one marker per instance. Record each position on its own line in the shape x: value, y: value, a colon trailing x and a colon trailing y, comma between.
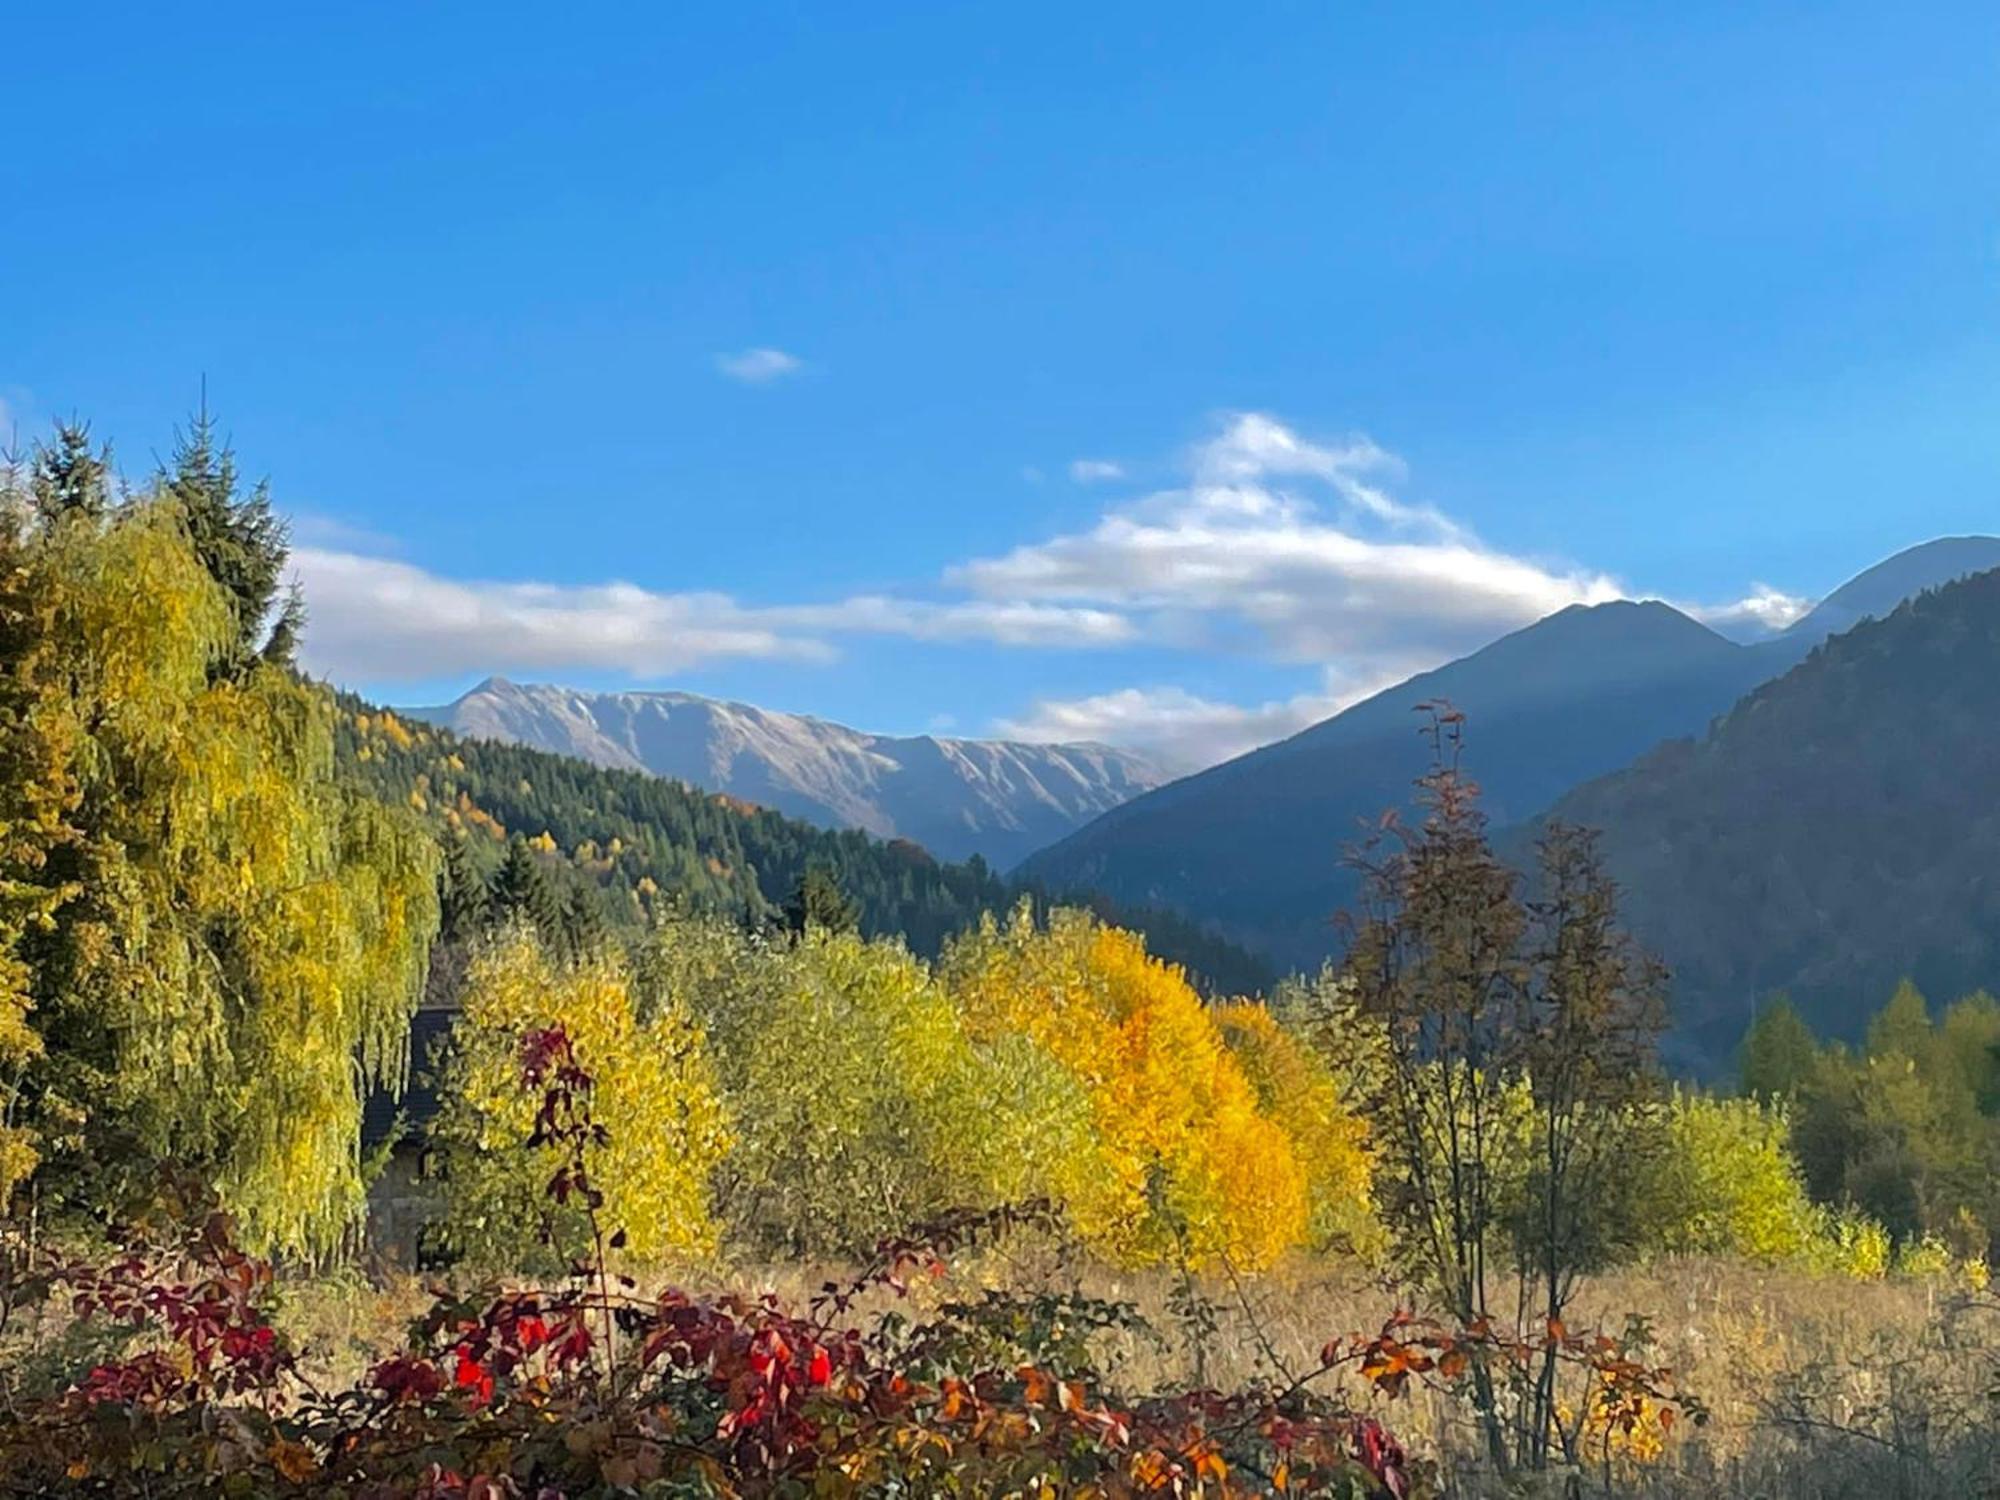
x: 376, y: 619
x: 1095, y: 470
x: 1290, y: 549
x: 1180, y: 729
x: 759, y: 366
x: 311, y: 528
x: 1764, y: 611
x: 1274, y: 545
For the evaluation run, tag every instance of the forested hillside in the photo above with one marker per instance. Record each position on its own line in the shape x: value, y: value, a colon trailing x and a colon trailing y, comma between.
x: 1254, y: 846
x: 622, y: 848
x: 1833, y: 834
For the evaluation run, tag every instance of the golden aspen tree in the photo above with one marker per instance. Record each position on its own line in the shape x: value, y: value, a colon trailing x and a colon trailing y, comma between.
x: 1295, y: 1087
x: 1184, y: 1162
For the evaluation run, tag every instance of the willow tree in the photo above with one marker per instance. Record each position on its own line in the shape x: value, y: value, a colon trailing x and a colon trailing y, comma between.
x: 212, y: 945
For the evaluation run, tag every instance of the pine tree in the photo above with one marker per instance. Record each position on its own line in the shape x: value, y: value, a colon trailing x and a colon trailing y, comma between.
x: 820, y: 903
x: 240, y: 539
x: 69, y: 476
x: 521, y: 890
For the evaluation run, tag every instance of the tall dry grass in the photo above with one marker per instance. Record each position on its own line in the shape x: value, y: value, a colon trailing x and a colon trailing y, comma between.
x: 1817, y: 1388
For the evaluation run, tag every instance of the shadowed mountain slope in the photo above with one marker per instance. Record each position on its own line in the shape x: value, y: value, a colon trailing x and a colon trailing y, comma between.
x: 1254, y: 846
x: 1836, y: 831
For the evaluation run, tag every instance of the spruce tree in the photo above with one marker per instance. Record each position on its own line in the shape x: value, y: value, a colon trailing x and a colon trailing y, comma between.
x: 583, y: 925
x: 69, y: 476
x: 281, y: 647
x: 464, y: 907
x: 521, y: 890
x: 239, y: 538
x: 820, y: 904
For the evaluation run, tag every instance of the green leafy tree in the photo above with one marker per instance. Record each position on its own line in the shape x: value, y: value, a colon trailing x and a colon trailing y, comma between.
x: 1779, y: 1055
x: 1515, y: 1029
x: 1902, y: 1028
x: 860, y: 1101
x: 1902, y: 1130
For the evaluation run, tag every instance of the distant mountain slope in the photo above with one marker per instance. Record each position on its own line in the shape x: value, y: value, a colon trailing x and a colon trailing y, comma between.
x: 1839, y: 829
x: 640, y: 843
x: 955, y: 797
x: 1886, y: 585
x: 1254, y: 846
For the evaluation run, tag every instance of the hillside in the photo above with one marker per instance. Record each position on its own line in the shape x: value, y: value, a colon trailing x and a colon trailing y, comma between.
x: 957, y: 798
x: 1255, y: 845
x: 1834, y: 832
x: 636, y: 842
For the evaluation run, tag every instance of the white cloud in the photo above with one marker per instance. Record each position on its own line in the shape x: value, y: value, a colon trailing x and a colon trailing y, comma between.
x: 1764, y: 611
x: 759, y: 366
x: 1182, y: 730
x: 1095, y: 470
x: 1274, y: 546
x: 375, y: 619
x: 1295, y: 550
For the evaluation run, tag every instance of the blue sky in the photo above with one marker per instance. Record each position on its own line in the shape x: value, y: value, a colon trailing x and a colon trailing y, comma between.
x: 1388, y: 328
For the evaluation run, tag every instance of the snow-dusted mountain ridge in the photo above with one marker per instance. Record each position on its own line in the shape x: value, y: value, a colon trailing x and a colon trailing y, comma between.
x: 997, y: 798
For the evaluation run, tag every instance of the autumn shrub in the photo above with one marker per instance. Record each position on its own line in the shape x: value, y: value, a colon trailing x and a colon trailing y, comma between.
x: 859, y: 1102
x: 656, y: 1098
x: 1182, y: 1161
x: 1295, y: 1087
x: 1726, y: 1183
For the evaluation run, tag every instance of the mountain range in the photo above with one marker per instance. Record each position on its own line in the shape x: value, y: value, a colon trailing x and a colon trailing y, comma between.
x: 1832, y: 834
x: 998, y: 799
x: 1809, y: 812
x: 1256, y: 845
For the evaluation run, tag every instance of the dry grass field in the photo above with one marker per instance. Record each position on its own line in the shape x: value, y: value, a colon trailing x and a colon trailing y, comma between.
x: 1817, y: 1388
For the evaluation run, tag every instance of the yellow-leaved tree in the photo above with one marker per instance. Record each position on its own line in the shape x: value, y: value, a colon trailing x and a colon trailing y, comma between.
x: 653, y: 1091
x: 860, y: 1103
x: 1296, y: 1088
x: 211, y: 944
x: 1183, y: 1161
x: 1726, y: 1183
